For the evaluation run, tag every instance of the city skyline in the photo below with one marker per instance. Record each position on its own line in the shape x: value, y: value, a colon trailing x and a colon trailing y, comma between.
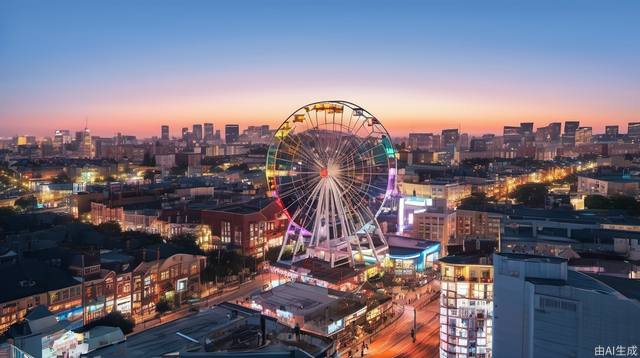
x: 177, y: 132
x: 366, y: 178
x: 432, y: 64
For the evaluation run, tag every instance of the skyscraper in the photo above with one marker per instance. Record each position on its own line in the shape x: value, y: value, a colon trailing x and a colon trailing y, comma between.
x: 583, y: 135
x: 208, y: 131
x: 185, y: 133
x: 60, y: 138
x: 634, y: 129
x: 570, y: 127
x: 231, y: 133
x: 420, y: 140
x: 612, y: 131
x: 165, y: 132
x: 450, y: 137
x: 85, y: 145
x: 197, y: 132
x: 555, y: 129
x: 526, y: 128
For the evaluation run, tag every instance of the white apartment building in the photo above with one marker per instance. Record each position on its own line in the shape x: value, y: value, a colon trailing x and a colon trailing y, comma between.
x: 542, y: 309
x: 466, y: 306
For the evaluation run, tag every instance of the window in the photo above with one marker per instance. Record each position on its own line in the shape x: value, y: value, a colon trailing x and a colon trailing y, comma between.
x: 225, y: 232
x: 181, y: 285
x: 164, y: 275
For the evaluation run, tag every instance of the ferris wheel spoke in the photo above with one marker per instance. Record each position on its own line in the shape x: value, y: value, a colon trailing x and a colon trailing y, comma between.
x: 301, y: 150
x: 359, y: 184
x: 308, y: 201
x: 331, y: 170
x: 355, y: 205
x: 291, y: 187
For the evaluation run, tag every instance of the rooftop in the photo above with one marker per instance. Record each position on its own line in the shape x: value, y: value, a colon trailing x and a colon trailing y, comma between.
x: 29, y: 277
x: 535, y: 258
x: 247, y: 207
x: 614, y: 178
x: 467, y: 259
x: 627, y: 287
x: 300, y: 297
x: 575, y: 279
x: 322, y: 270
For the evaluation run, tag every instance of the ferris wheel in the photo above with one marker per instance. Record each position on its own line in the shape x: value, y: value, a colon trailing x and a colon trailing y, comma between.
x: 331, y: 167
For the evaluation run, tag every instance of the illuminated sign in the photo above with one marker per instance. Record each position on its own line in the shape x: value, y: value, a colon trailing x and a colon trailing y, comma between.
x: 181, y: 285
x: 335, y: 326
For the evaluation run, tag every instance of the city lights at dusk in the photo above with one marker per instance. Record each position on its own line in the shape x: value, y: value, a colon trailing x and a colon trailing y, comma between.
x: 327, y: 179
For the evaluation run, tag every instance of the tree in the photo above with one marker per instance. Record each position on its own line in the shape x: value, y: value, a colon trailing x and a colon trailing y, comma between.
x: 187, y: 244
x: 597, y: 202
x: 616, y: 202
x: 474, y: 201
x: 110, y: 228
x: 223, y: 263
x: 531, y: 194
x: 149, y: 175
x: 624, y: 202
x: 177, y: 171
x: 61, y: 178
x: 272, y: 254
x: 26, y: 202
x: 163, y: 306
x: 113, y: 319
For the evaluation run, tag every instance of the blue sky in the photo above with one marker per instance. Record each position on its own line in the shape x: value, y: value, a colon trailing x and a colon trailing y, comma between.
x: 133, y: 65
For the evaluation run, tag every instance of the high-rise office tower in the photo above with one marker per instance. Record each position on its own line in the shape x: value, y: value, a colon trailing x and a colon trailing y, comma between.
x: 526, y: 128
x: 231, y: 133
x: 510, y: 131
x: 420, y: 140
x: 197, y: 132
x: 165, y: 132
x: 478, y: 145
x: 208, y: 131
x: 185, y: 133
x: 60, y: 138
x: 86, y: 151
x: 612, y: 131
x: 450, y: 137
x: 634, y: 129
x: 584, y: 135
x: 570, y: 127
x: 555, y: 130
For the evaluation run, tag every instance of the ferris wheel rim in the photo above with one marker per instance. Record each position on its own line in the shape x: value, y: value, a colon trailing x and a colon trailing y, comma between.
x: 389, y: 168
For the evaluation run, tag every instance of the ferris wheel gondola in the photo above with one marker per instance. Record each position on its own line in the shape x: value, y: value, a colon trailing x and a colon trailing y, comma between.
x: 331, y: 167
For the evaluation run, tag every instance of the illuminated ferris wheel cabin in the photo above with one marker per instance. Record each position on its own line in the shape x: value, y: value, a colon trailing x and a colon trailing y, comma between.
x: 331, y: 167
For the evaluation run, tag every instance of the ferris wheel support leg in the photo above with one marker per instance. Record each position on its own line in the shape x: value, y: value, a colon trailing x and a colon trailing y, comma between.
x: 373, y: 248
x: 296, y: 247
x: 347, y: 232
x: 285, y: 241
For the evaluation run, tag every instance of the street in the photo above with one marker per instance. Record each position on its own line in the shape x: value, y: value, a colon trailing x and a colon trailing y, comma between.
x: 395, y: 341
x: 231, y: 296
x: 143, y: 342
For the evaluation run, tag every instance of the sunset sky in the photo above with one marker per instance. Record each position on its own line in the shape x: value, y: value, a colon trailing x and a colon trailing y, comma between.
x: 130, y: 66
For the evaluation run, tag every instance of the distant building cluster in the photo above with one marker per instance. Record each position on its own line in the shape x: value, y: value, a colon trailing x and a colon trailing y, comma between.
x: 528, y: 242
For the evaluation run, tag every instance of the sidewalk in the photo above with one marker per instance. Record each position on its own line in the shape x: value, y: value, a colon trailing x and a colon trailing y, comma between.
x: 418, y: 304
x: 187, y: 310
x: 371, y: 337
